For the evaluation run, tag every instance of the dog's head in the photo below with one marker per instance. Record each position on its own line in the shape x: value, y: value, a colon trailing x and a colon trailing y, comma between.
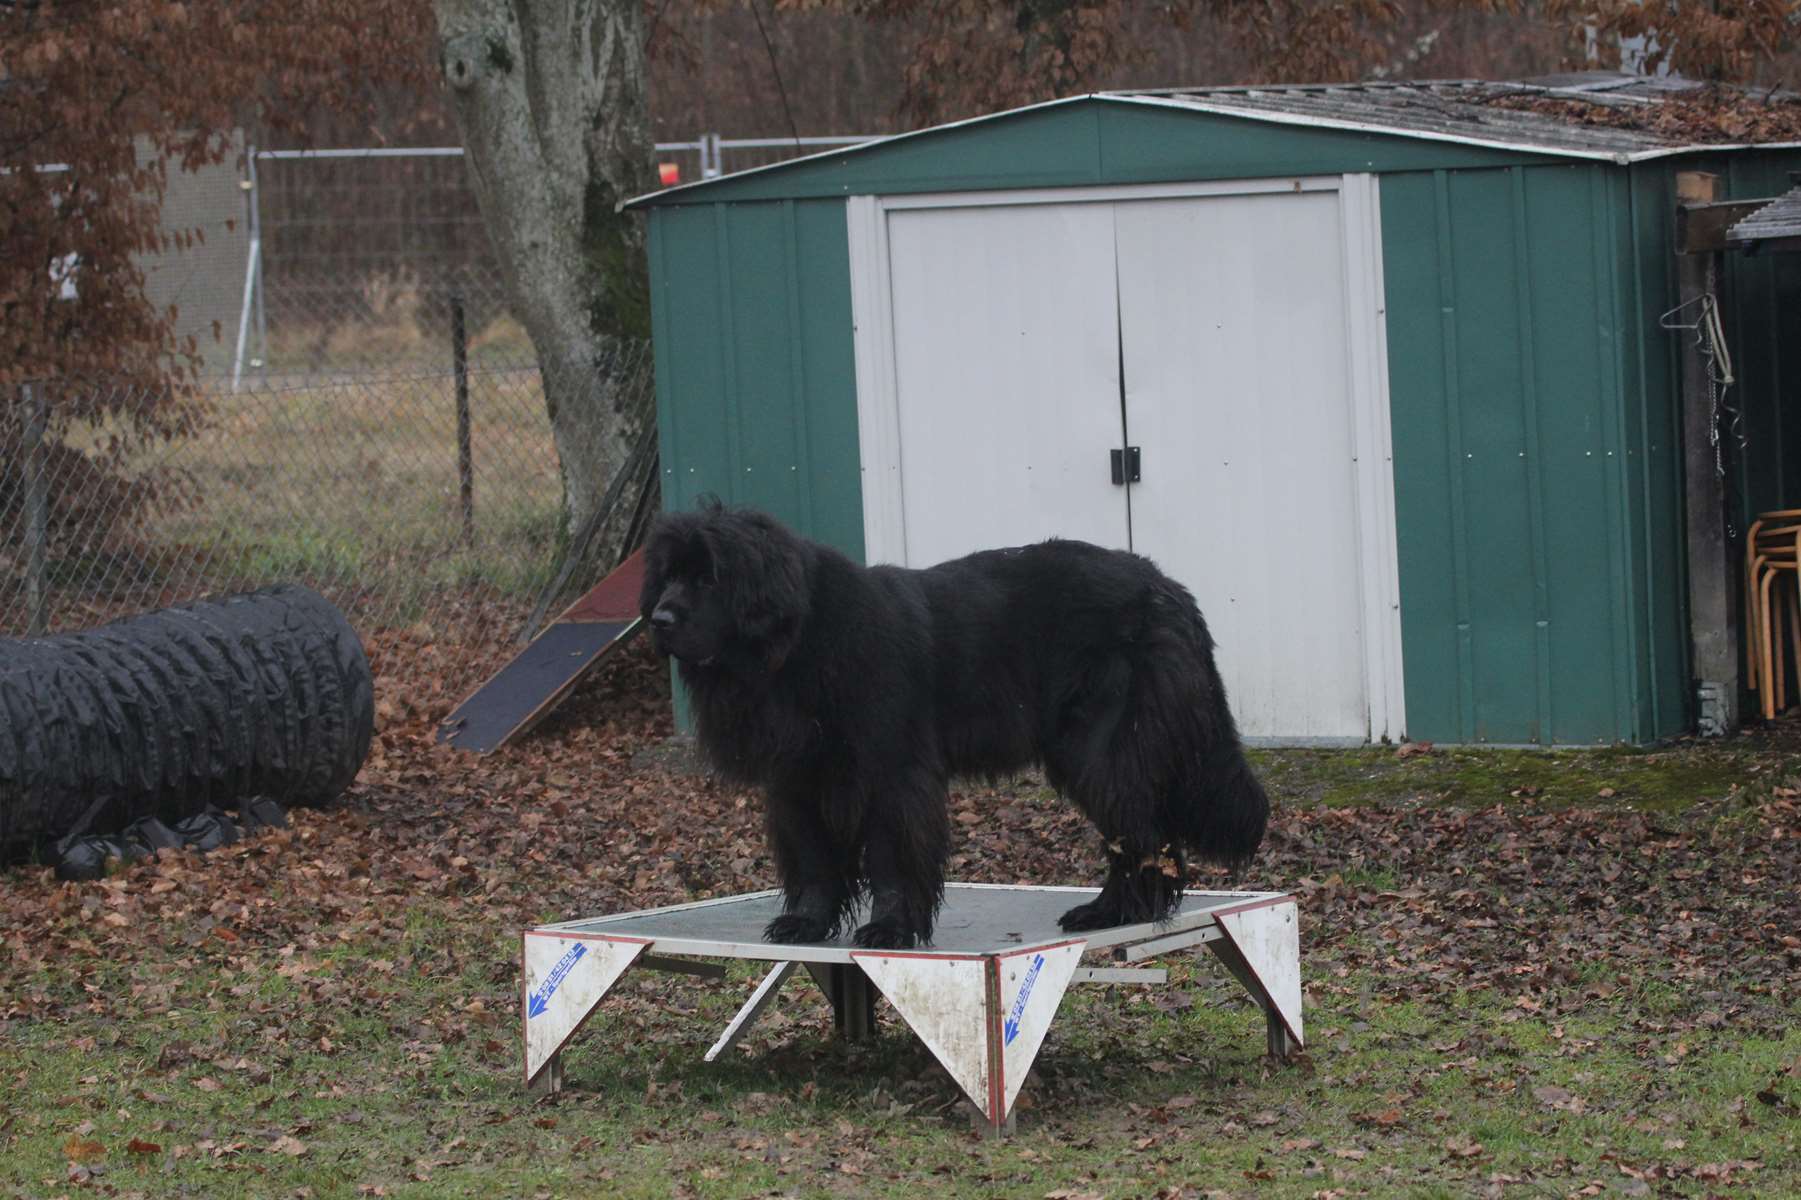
x: 724, y: 588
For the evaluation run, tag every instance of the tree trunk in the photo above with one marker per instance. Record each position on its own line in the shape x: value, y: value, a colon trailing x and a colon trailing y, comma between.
x: 550, y: 95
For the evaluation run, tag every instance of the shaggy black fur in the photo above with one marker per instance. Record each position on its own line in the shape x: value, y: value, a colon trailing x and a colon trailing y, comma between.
x: 852, y: 694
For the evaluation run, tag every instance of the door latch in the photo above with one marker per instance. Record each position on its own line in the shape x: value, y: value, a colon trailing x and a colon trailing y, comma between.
x: 1125, y: 465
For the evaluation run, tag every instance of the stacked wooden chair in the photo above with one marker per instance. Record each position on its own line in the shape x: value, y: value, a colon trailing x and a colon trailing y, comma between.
x: 1772, y: 576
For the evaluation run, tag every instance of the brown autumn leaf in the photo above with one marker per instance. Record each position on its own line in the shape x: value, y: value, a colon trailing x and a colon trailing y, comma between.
x: 289, y: 1145
x: 1384, y: 1119
x: 83, y: 1150
x: 139, y: 1146
x: 1559, y: 1098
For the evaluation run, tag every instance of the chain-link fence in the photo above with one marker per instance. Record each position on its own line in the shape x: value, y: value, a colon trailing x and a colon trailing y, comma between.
x: 352, y: 255
x: 359, y: 254
x: 416, y: 500
x: 334, y: 439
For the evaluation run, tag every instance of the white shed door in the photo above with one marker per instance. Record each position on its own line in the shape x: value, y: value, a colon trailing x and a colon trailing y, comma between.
x: 1006, y: 362
x: 1013, y: 324
x: 1232, y: 315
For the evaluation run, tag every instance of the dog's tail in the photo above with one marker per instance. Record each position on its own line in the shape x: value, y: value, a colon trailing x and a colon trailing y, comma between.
x: 1221, y: 809
x: 1223, y: 817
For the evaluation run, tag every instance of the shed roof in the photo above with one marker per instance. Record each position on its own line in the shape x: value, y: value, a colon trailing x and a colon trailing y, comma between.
x: 1780, y: 218
x: 1597, y: 115
x: 1536, y: 114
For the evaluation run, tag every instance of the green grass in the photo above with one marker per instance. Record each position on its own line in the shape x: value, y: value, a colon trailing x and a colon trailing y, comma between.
x: 357, y: 486
x: 1137, y: 1091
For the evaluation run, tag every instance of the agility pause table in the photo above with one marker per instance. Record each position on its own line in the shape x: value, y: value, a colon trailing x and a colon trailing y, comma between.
x: 981, y: 997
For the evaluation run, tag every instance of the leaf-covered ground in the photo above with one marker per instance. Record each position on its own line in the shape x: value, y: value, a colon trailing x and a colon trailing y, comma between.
x: 1527, y: 974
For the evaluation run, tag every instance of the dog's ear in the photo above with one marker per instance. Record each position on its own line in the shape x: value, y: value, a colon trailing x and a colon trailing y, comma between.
x: 659, y: 551
x: 765, y: 570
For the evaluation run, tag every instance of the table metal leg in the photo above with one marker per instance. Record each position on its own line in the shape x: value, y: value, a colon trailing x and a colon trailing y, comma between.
x: 1280, y: 1044
x: 752, y: 1009
x: 549, y: 1080
x: 979, y: 1122
x: 853, y: 1002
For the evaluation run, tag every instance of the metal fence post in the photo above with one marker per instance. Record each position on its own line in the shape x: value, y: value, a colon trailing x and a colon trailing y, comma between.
x: 253, y: 268
x: 459, y: 357
x: 37, y: 512
x: 261, y: 358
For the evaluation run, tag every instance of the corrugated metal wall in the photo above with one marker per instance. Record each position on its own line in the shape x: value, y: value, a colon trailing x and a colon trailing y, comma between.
x: 755, y: 370
x: 1540, y: 585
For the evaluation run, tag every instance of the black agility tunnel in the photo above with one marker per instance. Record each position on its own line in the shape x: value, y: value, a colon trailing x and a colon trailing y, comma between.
x: 262, y: 694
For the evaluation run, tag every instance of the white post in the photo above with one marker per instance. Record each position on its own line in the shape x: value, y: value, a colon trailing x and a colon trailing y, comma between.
x: 256, y: 233
x: 252, y: 264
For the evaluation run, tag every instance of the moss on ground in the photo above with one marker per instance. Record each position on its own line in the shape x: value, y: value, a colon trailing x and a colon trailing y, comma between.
x: 1664, y: 779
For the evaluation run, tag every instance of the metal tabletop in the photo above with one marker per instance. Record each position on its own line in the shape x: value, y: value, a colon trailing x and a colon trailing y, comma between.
x: 976, y: 919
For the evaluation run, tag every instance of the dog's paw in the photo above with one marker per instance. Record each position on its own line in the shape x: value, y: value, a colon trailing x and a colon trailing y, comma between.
x: 791, y: 928
x: 886, y: 935
x: 1093, y: 915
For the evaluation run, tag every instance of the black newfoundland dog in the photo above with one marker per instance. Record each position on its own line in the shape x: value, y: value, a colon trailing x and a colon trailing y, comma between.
x: 852, y: 694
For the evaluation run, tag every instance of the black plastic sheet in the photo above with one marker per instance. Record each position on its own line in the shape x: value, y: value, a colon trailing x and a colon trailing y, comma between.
x: 264, y: 694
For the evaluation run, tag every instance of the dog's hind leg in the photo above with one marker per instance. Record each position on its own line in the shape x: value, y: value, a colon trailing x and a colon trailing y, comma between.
x: 1110, y: 760
x: 819, y: 880
x: 1142, y: 885
x: 906, y: 842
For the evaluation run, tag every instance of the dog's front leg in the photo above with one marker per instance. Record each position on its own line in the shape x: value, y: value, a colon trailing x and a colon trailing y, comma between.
x: 818, y: 881
x: 905, y: 848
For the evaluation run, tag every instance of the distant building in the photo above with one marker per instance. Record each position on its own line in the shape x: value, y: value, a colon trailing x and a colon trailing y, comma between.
x: 205, y: 281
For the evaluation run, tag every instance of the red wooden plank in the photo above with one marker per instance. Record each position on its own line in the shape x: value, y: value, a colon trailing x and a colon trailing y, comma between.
x: 614, y: 598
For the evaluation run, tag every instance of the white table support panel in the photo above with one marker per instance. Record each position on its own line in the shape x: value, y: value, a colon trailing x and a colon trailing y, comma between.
x: 982, y: 997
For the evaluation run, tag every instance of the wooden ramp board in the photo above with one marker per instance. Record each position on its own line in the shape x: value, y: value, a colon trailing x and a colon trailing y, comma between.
x: 528, y: 688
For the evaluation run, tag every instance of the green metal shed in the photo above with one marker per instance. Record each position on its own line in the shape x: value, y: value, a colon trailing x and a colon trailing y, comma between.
x: 1392, y: 355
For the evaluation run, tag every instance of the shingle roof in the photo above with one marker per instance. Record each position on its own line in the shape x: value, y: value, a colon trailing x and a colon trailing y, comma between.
x: 1549, y: 114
